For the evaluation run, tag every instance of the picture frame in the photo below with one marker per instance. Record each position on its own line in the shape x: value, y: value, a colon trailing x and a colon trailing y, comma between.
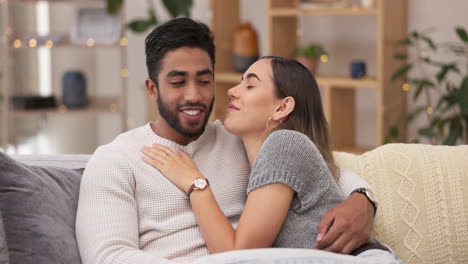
x: 95, y: 23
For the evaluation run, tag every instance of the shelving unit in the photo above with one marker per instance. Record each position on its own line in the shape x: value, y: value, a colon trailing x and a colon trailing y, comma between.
x: 339, y: 92
x: 12, y: 42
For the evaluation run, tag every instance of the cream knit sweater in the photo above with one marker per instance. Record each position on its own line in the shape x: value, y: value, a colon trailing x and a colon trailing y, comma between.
x: 129, y: 213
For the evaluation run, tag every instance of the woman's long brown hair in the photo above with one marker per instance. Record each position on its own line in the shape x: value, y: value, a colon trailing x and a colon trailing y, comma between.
x: 291, y: 78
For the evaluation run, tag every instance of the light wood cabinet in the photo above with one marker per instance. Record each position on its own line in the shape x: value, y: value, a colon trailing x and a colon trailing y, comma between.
x: 339, y: 92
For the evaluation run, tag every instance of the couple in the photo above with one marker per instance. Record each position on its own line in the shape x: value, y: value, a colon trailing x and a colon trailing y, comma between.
x: 173, y: 189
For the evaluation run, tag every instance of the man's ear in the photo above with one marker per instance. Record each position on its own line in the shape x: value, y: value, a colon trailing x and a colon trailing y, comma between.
x: 285, y: 108
x: 152, y: 89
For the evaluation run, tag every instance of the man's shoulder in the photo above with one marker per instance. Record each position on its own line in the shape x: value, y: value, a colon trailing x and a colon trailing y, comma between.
x: 217, y: 129
x: 122, y: 143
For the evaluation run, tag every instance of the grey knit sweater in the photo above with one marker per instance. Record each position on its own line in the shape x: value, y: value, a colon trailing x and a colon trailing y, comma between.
x: 291, y: 158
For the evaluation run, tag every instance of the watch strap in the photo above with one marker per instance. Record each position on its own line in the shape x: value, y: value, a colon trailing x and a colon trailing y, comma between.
x: 193, y: 187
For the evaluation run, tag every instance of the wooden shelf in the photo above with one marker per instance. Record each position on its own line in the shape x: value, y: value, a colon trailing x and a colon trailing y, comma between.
x: 83, y: 3
x: 294, y: 12
x: 25, y: 46
x: 234, y: 77
x: 95, y: 105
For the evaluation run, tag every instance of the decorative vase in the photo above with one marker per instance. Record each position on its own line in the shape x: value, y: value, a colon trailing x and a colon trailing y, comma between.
x: 245, y: 48
x: 358, y: 69
x: 310, y: 64
x: 74, y: 90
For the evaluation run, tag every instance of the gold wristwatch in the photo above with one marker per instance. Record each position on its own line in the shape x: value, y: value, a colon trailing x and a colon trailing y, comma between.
x: 370, y: 196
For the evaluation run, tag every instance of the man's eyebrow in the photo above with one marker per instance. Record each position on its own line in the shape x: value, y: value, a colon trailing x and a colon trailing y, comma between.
x: 176, y: 73
x: 205, y: 71
x: 251, y: 75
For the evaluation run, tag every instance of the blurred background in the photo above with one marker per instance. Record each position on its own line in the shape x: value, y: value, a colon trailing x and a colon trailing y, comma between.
x: 72, y: 72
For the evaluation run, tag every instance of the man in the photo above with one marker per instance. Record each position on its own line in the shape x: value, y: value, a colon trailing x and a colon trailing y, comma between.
x: 129, y: 213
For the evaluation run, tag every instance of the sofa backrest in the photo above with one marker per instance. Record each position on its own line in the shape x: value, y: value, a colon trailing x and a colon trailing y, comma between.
x: 69, y: 161
x: 423, y: 199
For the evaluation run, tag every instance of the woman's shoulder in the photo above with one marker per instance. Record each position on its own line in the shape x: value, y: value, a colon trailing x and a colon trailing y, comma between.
x: 288, y: 140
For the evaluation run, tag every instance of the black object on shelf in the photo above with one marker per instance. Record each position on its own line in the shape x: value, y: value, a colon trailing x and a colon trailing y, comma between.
x: 32, y: 102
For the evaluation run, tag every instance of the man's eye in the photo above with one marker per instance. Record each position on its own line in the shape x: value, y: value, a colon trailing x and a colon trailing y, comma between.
x: 204, y: 82
x: 177, y: 83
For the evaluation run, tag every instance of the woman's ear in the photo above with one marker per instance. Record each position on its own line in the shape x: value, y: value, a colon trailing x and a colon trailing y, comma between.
x: 152, y: 89
x: 284, y: 109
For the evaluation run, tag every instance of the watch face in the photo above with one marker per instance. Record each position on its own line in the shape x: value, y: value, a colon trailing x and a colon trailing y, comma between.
x: 200, y: 183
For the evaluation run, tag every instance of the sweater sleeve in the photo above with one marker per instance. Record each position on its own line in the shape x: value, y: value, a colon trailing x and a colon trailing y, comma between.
x: 291, y: 158
x: 107, y: 218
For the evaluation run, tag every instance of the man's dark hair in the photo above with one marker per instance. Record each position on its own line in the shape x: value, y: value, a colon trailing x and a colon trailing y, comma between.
x: 174, y: 34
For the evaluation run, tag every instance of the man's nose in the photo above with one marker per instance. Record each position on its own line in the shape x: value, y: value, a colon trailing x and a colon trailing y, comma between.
x: 192, y: 93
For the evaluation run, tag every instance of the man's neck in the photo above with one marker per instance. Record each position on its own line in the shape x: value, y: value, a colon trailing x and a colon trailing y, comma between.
x: 162, y: 129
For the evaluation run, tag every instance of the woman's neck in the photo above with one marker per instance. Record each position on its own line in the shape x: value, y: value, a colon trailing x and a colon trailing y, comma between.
x: 252, y: 145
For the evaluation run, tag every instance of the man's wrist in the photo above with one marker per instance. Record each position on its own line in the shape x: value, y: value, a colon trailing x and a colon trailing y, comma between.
x: 369, y: 195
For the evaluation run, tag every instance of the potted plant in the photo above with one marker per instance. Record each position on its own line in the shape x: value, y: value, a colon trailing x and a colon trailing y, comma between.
x: 310, y: 55
x: 175, y: 8
x: 443, y: 101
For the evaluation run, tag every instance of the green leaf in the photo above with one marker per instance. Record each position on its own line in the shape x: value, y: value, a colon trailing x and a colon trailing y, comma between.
x: 444, y: 70
x: 152, y: 17
x: 463, y: 97
x: 405, y: 42
x: 427, y: 132
x: 455, y: 131
x: 401, y: 72
x: 429, y: 42
x: 420, y: 85
x: 139, y: 25
x: 114, y: 6
x: 400, y: 56
x: 178, y: 8
x: 462, y: 34
x: 411, y: 116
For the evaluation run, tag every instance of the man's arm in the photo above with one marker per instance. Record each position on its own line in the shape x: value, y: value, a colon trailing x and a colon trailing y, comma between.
x: 349, y: 224
x: 107, y: 216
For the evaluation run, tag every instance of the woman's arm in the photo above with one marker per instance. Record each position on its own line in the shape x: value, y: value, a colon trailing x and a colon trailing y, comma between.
x: 263, y: 216
x: 260, y: 222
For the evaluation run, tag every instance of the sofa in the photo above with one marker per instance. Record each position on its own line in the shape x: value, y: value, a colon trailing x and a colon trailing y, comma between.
x: 422, y: 192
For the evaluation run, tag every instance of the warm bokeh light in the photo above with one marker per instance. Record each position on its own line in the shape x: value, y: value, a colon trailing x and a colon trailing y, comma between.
x: 124, y: 41
x: 49, y: 44
x: 32, y: 43
x: 324, y: 58
x: 124, y: 73
x: 90, y: 42
x: 62, y: 108
x: 17, y: 44
x: 429, y: 110
x: 405, y: 87
x: 113, y: 108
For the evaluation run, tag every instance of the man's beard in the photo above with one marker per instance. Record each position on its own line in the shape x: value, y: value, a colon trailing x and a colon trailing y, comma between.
x: 172, y: 118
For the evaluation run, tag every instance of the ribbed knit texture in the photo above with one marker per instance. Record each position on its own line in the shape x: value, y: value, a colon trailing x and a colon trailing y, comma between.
x: 423, y: 194
x: 291, y: 158
x: 126, y: 205
x: 129, y: 213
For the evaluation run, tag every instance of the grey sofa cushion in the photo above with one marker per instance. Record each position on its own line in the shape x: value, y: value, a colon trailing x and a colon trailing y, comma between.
x: 4, y: 259
x: 39, y: 209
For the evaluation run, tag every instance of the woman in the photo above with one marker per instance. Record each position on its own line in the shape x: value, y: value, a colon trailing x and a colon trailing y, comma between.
x: 277, y: 112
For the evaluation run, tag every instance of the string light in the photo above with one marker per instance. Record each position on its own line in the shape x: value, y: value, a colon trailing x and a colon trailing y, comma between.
x: 124, y: 73
x: 123, y: 41
x: 17, y: 44
x: 113, y: 108
x: 32, y: 43
x: 49, y: 44
x: 324, y: 58
x: 62, y: 108
x: 90, y: 42
x: 429, y: 110
x: 405, y: 87
x: 299, y: 32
